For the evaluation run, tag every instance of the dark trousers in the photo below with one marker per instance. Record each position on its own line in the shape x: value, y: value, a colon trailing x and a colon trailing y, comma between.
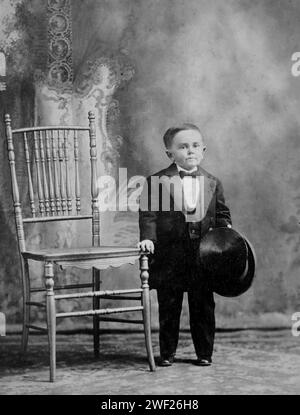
x: 201, y: 309
x: 202, y: 320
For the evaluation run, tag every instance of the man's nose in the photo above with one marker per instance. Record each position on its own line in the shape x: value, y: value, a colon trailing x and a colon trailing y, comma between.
x: 190, y: 150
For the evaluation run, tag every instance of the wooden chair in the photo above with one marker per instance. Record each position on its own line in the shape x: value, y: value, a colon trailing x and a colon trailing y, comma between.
x: 50, y: 187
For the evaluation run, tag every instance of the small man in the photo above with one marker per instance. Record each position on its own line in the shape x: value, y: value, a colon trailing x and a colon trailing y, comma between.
x: 172, y: 235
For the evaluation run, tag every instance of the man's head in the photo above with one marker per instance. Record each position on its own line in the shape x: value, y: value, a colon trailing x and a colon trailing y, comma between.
x: 184, y: 145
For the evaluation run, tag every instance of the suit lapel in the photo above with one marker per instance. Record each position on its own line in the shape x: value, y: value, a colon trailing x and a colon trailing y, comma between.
x: 205, y: 195
x: 209, y: 189
x: 172, y: 172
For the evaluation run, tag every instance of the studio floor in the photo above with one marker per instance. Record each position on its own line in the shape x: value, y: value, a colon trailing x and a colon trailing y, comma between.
x: 244, y: 362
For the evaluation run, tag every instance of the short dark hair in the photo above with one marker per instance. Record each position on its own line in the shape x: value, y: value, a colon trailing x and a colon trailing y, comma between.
x: 172, y: 131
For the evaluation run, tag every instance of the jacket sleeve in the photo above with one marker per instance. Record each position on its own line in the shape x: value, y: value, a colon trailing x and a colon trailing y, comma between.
x: 147, y: 217
x: 223, y: 217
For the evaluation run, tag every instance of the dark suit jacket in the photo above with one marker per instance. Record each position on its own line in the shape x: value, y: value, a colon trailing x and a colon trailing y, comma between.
x: 169, y: 227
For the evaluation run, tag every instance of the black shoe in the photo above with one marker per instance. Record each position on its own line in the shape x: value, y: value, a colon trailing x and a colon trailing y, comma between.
x: 203, y: 362
x: 166, y: 361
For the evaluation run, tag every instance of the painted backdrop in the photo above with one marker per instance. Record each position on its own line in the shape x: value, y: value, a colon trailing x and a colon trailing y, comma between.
x: 223, y: 65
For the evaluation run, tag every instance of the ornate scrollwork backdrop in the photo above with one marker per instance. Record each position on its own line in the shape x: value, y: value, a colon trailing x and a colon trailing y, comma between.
x: 60, y: 68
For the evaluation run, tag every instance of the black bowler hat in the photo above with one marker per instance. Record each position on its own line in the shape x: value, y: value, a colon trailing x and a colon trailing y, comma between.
x: 228, y: 260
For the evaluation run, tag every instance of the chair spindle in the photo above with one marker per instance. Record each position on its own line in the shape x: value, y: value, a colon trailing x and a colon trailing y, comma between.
x: 94, y: 190
x: 45, y: 181
x: 61, y: 172
x: 77, y: 183
x: 51, y: 186
x: 68, y: 184
x: 39, y: 178
x: 30, y: 186
x: 55, y: 171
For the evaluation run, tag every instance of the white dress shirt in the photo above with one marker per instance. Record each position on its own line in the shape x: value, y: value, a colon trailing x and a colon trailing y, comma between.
x: 191, y: 189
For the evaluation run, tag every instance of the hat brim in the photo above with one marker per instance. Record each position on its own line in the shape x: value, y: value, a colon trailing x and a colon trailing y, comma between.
x: 245, y: 280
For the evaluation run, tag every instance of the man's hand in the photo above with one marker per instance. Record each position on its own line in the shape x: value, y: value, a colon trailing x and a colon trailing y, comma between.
x: 146, y: 245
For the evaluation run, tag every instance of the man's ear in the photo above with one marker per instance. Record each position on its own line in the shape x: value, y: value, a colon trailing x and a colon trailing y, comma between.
x: 204, y: 149
x: 169, y: 154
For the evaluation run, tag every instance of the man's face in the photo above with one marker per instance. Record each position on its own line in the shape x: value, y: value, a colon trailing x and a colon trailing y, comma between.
x: 187, y: 149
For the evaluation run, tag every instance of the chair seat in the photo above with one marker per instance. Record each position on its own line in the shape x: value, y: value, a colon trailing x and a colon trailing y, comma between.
x: 75, y: 254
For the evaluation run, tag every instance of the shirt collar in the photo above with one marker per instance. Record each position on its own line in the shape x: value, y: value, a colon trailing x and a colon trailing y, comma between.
x: 179, y: 168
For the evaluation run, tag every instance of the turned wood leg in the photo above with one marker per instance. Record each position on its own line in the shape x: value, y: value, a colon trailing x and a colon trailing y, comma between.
x: 51, y: 317
x: 146, y: 309
x: 96, y: 305
x: 26, y: 306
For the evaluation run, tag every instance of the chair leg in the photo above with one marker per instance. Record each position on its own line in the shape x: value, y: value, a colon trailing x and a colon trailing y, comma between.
x: 146, y: 309
x: 96, y: 305
x: 26, y: 307
x: 51, y: 317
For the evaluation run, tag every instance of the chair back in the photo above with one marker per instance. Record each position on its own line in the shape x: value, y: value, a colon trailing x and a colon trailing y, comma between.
x: 49, y: 154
